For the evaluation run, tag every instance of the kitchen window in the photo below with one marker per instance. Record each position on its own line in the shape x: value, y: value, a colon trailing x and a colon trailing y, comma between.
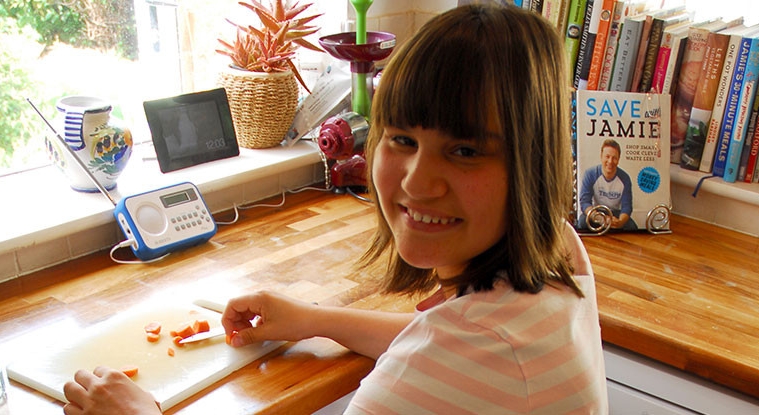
x: 125, y: 51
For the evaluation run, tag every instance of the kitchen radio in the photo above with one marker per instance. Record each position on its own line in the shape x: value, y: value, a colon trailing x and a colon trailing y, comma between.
x: 157, y: 222
x: 164, y: 220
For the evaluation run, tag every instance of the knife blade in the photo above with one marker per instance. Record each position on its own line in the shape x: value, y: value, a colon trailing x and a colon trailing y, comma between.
x: 214, y: 332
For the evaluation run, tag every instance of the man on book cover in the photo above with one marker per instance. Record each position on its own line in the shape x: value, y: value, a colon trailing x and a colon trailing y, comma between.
x: 607, y: 185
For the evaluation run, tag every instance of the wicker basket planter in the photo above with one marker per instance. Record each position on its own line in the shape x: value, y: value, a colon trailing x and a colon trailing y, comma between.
x: 263, y: 105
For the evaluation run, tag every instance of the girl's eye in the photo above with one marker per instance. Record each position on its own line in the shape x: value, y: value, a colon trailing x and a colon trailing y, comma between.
x: 404, y: 140
x: 466, y: 151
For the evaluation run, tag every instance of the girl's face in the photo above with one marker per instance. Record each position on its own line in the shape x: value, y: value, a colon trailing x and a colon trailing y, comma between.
x: 444, y: 198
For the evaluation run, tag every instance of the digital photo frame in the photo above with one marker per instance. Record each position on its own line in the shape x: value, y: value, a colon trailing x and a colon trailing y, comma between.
x: 191, y: 129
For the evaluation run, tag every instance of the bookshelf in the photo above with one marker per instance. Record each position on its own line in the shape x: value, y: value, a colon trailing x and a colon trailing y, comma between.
x: 729, y: 205
x: 732, y: 205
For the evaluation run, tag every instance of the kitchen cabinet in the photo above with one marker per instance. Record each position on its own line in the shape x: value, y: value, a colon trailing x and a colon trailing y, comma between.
x: 641, y: 386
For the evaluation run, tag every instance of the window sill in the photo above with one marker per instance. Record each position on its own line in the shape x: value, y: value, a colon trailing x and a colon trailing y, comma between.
x: 729, y: 205
x: 44, y: 222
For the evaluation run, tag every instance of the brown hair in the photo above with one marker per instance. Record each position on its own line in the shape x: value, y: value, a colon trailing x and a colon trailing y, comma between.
x: 461, y: 69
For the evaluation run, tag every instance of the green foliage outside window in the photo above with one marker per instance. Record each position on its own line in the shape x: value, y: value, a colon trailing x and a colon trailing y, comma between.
x: 96, y: 24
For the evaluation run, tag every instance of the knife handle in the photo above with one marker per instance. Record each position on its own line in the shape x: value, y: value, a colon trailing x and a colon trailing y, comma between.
x: 210, y: 305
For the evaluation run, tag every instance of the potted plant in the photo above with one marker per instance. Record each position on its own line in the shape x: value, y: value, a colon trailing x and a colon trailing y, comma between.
x: 261, y: 81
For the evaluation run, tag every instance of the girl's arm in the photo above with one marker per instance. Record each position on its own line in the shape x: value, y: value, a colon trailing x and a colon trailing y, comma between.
x: 281, y: 318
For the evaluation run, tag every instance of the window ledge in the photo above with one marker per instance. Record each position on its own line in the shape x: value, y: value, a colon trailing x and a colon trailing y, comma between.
x: 45, y: 222
x: 729, y: 205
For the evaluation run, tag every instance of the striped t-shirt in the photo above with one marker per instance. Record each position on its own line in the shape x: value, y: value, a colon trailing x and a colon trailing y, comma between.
x: 496, y: 352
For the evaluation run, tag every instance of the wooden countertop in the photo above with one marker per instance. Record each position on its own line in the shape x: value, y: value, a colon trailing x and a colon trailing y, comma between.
x: 689, y: 299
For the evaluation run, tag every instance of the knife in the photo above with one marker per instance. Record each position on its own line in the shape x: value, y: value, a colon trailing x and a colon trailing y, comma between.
x: 214, y: 332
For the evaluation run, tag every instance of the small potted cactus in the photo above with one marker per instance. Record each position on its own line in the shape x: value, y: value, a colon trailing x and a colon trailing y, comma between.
x: 261, y: 80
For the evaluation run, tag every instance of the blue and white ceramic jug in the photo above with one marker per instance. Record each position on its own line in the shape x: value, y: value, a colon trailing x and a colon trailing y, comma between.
x: 99, y: 140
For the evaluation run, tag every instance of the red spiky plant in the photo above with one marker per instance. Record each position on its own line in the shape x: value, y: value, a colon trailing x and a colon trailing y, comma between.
x: 271, y: 48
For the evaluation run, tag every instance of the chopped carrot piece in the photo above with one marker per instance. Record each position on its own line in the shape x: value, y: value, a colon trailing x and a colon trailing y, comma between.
x: 230, y: 336
x: 201, y: 326
x: 177, y: 340
x: 185, y: 330
x: 153, y: 327
x: 130, y: 370
x: 173, y: 333
x: 170, y: 352
x: 153, y: 337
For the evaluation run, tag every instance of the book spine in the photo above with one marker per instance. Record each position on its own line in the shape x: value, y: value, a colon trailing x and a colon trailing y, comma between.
x: 731, y: 108
x: 599, y: 46
x: 537, y: 6
x: 563, y: 14
x: 703, y: 101
x: 753, y: 151
x: 551, y: 11
x: 575, y: 22
x: 720, y: 101
x: 747, y: 143
x: 682, y: 101
x: 652, y: 52
x: 673, y: 65
x: 595, y: 19
x: 662, y: 59
x: 625, y: 58
x: 640, y: 59
x: 620, y: 11
x: 585, y: 42
x: 745, y: 103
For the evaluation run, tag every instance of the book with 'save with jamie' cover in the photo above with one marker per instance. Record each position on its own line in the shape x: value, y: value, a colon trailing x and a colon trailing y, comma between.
x: 622, y: 158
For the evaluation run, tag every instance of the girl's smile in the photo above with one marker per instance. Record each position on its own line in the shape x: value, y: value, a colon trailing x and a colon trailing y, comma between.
x: 436, y: 193
x: 427, y: 219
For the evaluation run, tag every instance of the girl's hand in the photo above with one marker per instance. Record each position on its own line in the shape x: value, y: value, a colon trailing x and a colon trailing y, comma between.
x: 276, y: 318
x: 106, y: 391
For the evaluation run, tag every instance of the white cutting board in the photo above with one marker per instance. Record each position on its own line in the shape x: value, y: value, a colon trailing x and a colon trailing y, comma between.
x: 121, y: 341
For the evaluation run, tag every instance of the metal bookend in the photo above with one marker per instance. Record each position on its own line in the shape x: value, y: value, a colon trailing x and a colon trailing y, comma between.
x: 598, y: 221
x: 657, y: 220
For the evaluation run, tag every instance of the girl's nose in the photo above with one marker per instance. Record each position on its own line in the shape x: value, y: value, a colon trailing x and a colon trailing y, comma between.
x: 424, y: 177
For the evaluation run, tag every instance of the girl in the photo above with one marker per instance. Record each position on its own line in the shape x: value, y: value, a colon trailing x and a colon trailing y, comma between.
x: 470, y: 165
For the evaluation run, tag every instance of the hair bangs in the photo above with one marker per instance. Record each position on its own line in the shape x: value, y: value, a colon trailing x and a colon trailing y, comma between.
x: 451, y: 97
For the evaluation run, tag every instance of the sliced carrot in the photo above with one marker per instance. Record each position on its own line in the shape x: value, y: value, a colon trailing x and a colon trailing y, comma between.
x: 231, y: 336
x: 153, y: 327
x: 170, y: 352
x: 185, y: 330
x: 177, y: 340
x: 201, y: 326
x: 129, y: 370
x: 153, y: 337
